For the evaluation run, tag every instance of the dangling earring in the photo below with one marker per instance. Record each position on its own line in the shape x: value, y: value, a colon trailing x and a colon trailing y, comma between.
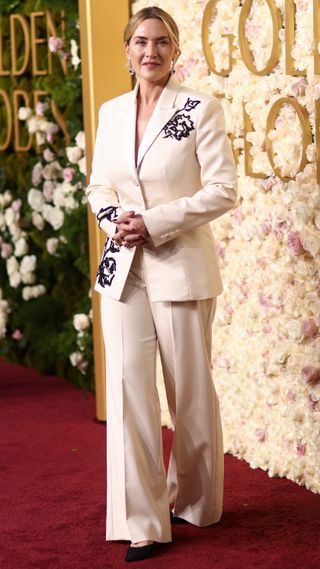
x: 131, y: 70
x: 172, y: 68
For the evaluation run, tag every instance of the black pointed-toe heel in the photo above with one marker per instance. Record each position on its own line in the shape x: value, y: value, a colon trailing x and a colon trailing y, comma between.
x: 139, y: 553
x: 176, y: 520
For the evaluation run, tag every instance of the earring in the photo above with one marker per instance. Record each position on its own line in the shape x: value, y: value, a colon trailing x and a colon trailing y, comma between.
x: 172, y: 68
x: 131, y: 70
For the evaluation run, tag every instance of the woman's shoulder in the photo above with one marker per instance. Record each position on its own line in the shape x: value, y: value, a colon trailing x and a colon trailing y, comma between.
x: 193, y: 98
x: 120, y: 102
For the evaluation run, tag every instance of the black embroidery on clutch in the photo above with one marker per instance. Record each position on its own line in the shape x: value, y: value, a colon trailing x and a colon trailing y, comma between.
x: 181, y: 125
x: 108, y: 265
x: 109, y: 213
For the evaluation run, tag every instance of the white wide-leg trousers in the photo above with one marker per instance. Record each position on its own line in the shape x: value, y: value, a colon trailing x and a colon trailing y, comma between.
x: 138, y: 494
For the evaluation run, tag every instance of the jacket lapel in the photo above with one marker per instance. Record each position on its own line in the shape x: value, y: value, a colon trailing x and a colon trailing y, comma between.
x: 162, y: 113
x: 129, y: 133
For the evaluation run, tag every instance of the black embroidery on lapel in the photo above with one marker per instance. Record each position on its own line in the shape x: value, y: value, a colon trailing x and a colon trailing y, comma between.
x: 108, y: 265
x: 109, y: 213
x: 181, y: 125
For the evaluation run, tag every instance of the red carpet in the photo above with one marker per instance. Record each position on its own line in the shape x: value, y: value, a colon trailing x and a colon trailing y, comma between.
x: 53, y: 495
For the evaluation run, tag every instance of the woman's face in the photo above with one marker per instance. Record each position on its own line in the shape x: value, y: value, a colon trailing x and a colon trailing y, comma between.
x: 151, y: 52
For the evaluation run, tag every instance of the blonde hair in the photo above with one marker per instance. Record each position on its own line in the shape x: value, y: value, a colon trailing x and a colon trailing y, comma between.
x: 159, y: 14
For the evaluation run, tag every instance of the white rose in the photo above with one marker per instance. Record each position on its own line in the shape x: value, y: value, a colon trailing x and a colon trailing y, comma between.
x: 52, y: 170
x: 81, y: 322
x: 81, y: 140
x: 52, y: 245
x: 21, y: 247
x: 10, y: 216
x: 76, y: 358
x: 12, y: 265
x: 28, y: 278
x: 7, y: 197
x: 83, y: 165
x: 38, y: 220
x: 75, y: 60
x: 292, y: 329
x: 70, y: 203
x: 39, y: 290
x: 29, y: 292
x: 53, y: 215
x: 35, y: 199
x: 33, y: 124
x: 15, y: 279
x: 24, y: 113
x: 48, y: 188
x: 317, y: 221
x: 28, y: 264
x: 74, y: 154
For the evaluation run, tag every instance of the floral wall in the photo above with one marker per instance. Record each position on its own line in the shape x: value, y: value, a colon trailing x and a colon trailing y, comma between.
x: 45, y: 317
x: 266, y: 364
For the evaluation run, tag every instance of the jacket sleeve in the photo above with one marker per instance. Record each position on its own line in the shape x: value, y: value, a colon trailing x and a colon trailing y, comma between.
x: 103, y: 200
x: 218, y: 179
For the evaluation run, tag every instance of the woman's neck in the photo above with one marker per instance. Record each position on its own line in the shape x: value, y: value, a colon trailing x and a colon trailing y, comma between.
x: 149, y: 92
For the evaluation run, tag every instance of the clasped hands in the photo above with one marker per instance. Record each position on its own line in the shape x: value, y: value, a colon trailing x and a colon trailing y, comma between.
x: 132, y: 230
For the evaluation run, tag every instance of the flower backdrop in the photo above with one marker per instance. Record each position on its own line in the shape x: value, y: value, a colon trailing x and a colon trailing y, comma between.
x: 45, y: 309
x: 266, y: 333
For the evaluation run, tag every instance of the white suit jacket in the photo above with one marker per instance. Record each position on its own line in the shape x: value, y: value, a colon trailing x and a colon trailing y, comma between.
x: 184, y: 178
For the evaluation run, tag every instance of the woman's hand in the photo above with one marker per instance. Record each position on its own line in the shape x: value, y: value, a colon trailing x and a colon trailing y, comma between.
x: 132, y: 231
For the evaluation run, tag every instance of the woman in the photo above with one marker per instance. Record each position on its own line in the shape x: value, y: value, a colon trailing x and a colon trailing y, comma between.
x: 162, y: 169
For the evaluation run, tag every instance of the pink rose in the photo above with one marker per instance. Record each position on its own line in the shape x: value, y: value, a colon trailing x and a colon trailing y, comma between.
x: 311, y: 403
x: 16, y: 205
x: 37, y: 174
x: 40, y: 108
x: 244, y: 289
x: 292, y: 396
x: 48, y: 155
x: 294, y: 244
x: 228, y: 308
x: 265, y: 300
x: 301, y: 448
x: 55, y: 44
x: 261, y: 434
x: 299, y: 88
x: 238, y: 215
x: 262, y: 262
x: 309, y: 328
x: 268, y: 183
x: 266, y: 227
x: 266, y: 327
x: 17, y: 334
x: 311, y: 375
x: 68, y: 174
x: 6, y: 250
x: 48, y: 190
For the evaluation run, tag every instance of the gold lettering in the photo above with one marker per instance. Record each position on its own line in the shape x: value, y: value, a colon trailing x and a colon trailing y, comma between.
x: 248, y: 127
x: 244, y: 44
x: 36, y: 42
x: 290, y: 20
x: 4, y: 145
x: 317, y: 120
x: 207, y: 50
x: 61, y: 121
x: 52, y: 31
x: 3, y: 71
x: 15, y: 18
x: 316, y: 36
x: 306, y: 132
x: 17, y: 95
